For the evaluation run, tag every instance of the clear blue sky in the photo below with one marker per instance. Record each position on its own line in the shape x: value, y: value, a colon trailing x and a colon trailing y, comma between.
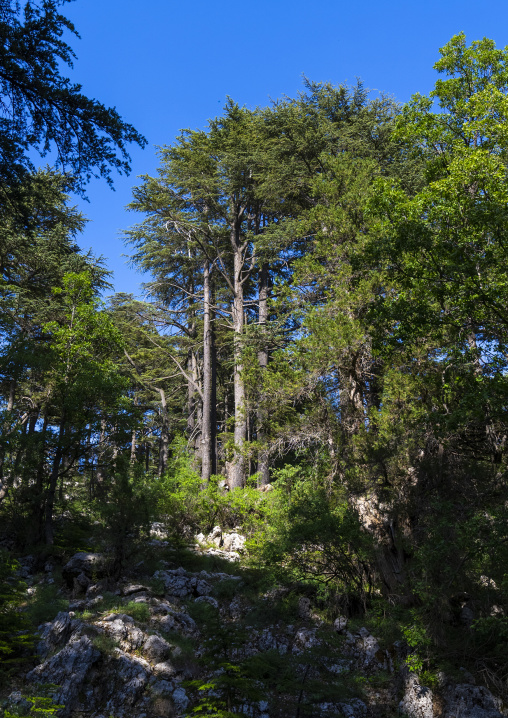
x: 168, y: 65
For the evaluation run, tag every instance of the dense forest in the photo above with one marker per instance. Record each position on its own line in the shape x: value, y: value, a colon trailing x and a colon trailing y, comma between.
x: 319, y: 361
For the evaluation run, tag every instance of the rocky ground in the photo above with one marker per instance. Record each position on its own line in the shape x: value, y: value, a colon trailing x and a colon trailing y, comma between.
x: 166, y: 642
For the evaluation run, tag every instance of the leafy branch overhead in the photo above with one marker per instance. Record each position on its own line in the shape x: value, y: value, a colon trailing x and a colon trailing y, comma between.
x: 42, y: 109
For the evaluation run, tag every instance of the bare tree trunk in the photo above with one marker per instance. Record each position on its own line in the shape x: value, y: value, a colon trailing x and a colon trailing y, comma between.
x: 263, y: 466
x: 164, y: 440
x: 99, y: 474
x: 237, y: 467
x: 10, y: 406
x: 191, y: 409
x: 207, y: 439
x: 133, y: 439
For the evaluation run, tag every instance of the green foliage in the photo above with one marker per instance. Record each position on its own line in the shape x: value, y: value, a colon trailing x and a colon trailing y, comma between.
x: 45, y: 603
x: 16, y: 636
x: 36, y: 701
x: 127, y: 509
x: 416, y: 637
x: 105, y: 644
x: 314, y: 535
x: 186, y: 503
x: 138, y: 611
x: 47, y: 110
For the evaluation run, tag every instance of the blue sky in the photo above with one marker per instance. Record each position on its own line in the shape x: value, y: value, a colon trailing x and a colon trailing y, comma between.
x: 169, y: 65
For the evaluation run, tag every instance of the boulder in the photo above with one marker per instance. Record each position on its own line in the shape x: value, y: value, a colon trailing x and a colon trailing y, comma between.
x: 68, y: 670
x: 207, y: 599
x: 470, y: 701
x: 121, y: 629
x: 417, y: 700
x: 156, y: 649
x: 304, y: 607
x: 233, y: 542
x: 182, y: 585
x: 89, y: 564
x: 340, y: 624
x: 180, y: 700
x: 56, y: 633
x: 215, y: 536
x: 164, y: 670
x: 133, y: 588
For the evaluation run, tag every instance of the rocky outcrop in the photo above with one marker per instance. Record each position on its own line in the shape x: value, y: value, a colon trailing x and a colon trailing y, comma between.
x: 180, y: 584
x: 469, y: 701
x: 112, y: 664
x: 418, y: 700
x: 82, y: 567
x: 69, y: 668
x: 227, y: 545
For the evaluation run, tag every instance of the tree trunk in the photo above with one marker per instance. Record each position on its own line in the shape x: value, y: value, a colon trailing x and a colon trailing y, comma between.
x: 164, y: 440
x: 207, y: 438
x: 263, y: 466
x: 50, y: 499
x: 10, y: 406
x: 133, y: 439
x: 236, y: 476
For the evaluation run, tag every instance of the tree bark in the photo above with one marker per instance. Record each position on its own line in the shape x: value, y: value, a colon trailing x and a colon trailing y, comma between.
x: 236, y: 476
x: 10, y: 406
x: 207, y: 433
x: 164, y: 440
x: 263, y: 465
x: 50, y: 499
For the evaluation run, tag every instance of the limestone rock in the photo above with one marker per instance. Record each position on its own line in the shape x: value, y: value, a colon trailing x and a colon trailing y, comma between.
x: 180, y: 699
x: 340, y: 624
x: 367, y: 651
x: 233, y: 542
x: 133, y: 588
x: 469, y: 701
x: 305, y: 638
x: 207, y: 599
x: 167, y: 619
x: 156, y: 649
x: 164, y: 670
x: 417, y: 700
x: 182, y: 585
x: 129, y: 678
x: 56, y: 633
x: 304, y: 607
x: 83, y: 563
x: 122, y: 629
x: 80, y: 585
x: 68, y: 669
x: 215, y: 536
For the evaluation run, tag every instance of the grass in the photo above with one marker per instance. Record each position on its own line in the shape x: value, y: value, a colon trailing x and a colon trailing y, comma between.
x: 105, y: 644
x: 113, y: 604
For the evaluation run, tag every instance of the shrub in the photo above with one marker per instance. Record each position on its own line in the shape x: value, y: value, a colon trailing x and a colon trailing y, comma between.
x: 138, y: 611
x: 312, y: 535
x: 184, y: 503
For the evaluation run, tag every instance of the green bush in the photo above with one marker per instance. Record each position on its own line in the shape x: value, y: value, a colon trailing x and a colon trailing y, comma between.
x: 126, y: 510
x: 184, y: 503
x: 138, y: 611
x: 311, y: 534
